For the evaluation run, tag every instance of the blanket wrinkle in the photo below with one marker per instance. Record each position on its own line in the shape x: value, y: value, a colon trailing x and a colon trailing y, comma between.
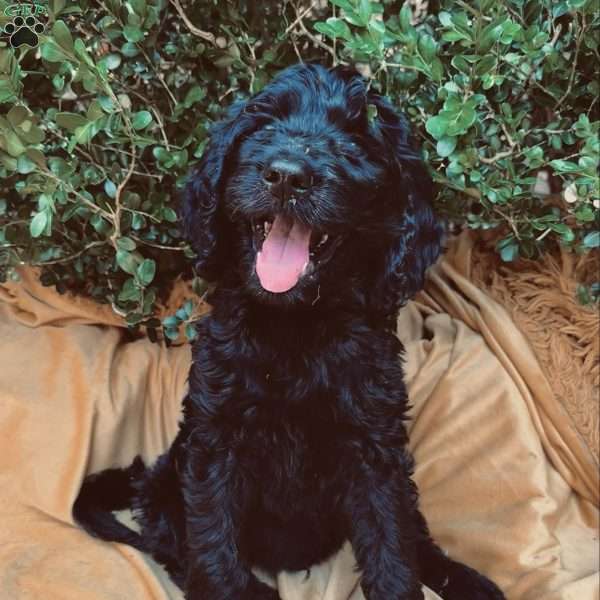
x: 541, y: 297
x: 562, y: 440
x: 507, y: 478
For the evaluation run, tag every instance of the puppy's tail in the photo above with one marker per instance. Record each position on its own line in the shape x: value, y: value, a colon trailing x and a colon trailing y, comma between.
x: 103, y: 493
x: 450, y: 579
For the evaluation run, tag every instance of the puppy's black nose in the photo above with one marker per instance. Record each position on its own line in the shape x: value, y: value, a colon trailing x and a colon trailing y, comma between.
x: 287, y: 178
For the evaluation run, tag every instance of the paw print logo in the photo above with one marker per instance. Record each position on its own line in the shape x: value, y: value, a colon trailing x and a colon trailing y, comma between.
x: 24, y: 31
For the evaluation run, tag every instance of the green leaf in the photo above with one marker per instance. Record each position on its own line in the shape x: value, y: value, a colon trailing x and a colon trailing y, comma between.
x: 345, y: 4
x: 508, y: 248
x: 365, y: 10
x: 170, y: 321
x: 112, y: 61
x: 169, y: 214
x: 161, y: 154
x: 133, y: 33
x: 335, y: 28
x: 99, y: 224
x: 30, y: 133
x: 188, y: 307
x: 94, y: 111
x: 486, y: 64
x: 376, y: 29
x: 129, y: 292
x: 585, y: 214
x: 592, y: 240
x: 141, y: 119
x: 17, y: 114
x: 125, y: 243
x: 146, y: 271
x: 138, y: 221
x: 56, y: 6
x: 70, y: 121
x: 38, y: 224
x: 190, y: 332
x: 12, y: 143
x: 459, y: 119
x: 25, y: 165
x: 193, y: 95
x: 565, y: 232
x: 172, y: 333
x: 564, y: 166
x: 459, y: 62
x: 405, y: 18
x: 58, y: 81
x: 139, y: 7
x: 85, y: 133
x: 127, y: 261
x: 63, y: 36
x: 427, y: 47
x: 199, y: 286
x: 129, y: 50
x: 436, y: 126
x: 437, y: 70
x: 489, y: 36
x: 51, y: 51
x: 59, y: 166
x: 446, y: 146
x: 444, y: 17
x: 36, y: 156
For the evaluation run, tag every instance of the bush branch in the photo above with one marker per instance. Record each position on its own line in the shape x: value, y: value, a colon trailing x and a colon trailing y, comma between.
x: 71, y: 257
x: 205, y: 35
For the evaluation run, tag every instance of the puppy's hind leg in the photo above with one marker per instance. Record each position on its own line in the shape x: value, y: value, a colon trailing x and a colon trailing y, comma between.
x: 450, y: 579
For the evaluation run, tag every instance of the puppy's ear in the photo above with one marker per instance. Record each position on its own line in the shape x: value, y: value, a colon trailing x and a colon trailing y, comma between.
x: 200, y: 214
x: 416, y: 234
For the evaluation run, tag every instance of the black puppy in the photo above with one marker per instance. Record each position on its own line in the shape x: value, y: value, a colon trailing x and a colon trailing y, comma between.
x: 313, y: 215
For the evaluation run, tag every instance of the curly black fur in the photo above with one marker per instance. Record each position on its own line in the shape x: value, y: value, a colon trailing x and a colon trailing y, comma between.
x: 293, y: 437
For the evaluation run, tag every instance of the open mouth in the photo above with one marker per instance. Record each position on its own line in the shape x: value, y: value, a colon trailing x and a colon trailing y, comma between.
x: 288, y: 250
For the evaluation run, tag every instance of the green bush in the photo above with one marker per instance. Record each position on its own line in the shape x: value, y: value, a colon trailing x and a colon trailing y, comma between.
x: 100, y: 123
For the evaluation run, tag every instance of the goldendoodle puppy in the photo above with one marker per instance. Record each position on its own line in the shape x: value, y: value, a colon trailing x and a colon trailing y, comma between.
x: 311, y: 211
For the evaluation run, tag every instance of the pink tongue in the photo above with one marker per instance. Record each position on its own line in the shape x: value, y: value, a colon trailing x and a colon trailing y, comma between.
x: 284, y: 255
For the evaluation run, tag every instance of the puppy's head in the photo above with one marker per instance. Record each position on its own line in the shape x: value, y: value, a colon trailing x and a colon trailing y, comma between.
x: 311, y: 191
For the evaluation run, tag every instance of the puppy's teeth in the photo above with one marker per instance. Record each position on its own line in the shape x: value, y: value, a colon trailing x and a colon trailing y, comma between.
x: 308, y: 268
x: 323, y: 240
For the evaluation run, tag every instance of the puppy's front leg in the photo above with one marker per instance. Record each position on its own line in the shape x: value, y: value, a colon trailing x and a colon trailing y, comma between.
x: 383, y: 536
x: 214, y: 503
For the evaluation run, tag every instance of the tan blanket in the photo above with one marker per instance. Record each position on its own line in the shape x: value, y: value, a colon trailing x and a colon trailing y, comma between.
x: 507, y: 482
